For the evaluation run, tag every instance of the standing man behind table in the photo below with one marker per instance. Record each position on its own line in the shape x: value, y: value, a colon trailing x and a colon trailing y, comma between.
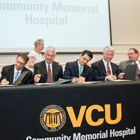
x: 48, y: 71
x: 78, y: 70
x: 133, y: 55
x: 104, y: 70
x: 35, y: 56
x: 11, y: 73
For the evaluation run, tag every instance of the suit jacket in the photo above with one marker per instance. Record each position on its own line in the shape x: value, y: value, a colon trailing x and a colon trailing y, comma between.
x: 99, y: 71
x: 72, y: 70
x: 123, y: 65
x: 57, y: 71
x: 8, y: 73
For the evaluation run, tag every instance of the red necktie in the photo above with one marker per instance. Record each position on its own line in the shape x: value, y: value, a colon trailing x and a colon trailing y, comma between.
x: 138, y: 71
x: 108, y: 69
x: 49, y: 78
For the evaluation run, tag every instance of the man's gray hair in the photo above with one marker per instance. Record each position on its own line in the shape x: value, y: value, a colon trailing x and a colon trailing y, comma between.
x: 108, y: 47
x: 50, y: 48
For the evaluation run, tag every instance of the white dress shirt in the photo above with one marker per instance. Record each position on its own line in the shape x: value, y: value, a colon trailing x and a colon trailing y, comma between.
x: 15, y: 71
x: 105, y: 64
x: 138, y: 63
x: 78, y: 70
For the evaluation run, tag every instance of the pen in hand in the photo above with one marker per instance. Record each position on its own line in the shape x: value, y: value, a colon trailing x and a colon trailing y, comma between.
x: 5, y: 78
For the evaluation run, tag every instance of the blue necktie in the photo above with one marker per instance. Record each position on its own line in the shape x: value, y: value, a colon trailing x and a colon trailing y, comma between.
x: 16, y: 77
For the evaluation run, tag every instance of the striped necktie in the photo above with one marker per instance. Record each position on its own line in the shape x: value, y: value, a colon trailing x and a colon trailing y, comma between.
x: 108, y: 69
x: 49, y: 78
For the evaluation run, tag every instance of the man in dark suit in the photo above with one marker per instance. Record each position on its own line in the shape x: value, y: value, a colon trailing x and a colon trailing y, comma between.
x: 104, y: 70
x: 48, y: 71
x: 78, y: 70
x: 10, y: 73
x: 133, y: 55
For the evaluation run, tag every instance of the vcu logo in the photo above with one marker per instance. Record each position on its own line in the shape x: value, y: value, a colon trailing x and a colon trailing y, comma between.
x: 76, y: 122
x: 52, y: 118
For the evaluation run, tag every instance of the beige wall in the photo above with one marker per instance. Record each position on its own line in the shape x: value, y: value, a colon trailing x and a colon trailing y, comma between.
x: 125, y: 23
x: 125, y: 27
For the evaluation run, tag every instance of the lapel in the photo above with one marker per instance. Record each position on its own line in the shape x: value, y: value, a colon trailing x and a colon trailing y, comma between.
x: 54, y: 70
x: 102, y: 66
x: 84, y: 73
x: 112, y: 66
x: 75, y: 68
x: 44, y: 70
x: 23, y: 69
x: 11, y: 76
x: 129, y: 62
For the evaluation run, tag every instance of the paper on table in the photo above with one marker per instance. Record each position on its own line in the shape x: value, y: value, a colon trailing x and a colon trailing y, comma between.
x: 92, y: 82
x: 121, y: 80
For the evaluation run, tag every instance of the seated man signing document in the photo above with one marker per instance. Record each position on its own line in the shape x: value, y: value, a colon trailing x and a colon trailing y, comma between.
x: 104, y: 69
x: 48, y: 71
x: 78, y: 70
x: 11, y: 73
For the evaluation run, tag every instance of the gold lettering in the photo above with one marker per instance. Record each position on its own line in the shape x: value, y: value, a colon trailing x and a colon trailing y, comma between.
x: 89, y: 115
x: 76, y: 122
x: 108, y: 114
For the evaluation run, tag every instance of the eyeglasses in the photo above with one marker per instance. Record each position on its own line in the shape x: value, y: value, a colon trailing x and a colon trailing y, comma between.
x: 20, y: 63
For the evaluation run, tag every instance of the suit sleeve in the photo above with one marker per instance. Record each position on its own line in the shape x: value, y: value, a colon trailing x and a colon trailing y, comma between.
x: 90, y: 75
x: 29, y: 79
x: 3, y: 74
x: 60, y: 73
x: 95, y: 73
x: 122, y: 67
x: 67, y: 72
x: 118, y: 70
x: 38, y: 71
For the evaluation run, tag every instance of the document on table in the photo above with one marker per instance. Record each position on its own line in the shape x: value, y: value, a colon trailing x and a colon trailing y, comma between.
x: 121, y: 80
x: 43, y: 84
x: 92, y: 82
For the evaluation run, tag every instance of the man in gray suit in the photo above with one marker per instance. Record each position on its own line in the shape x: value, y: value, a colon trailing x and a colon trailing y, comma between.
x: 133, y: 55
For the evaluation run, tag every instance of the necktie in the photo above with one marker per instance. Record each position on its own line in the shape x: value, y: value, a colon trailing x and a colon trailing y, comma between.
x: 49, y: 78
x: 138, y: 71
x: 16, y: 76
x: 108, y: 69
x: 80, y: 71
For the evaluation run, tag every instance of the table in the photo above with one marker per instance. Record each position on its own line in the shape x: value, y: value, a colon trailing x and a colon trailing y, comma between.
x: 107, y: 110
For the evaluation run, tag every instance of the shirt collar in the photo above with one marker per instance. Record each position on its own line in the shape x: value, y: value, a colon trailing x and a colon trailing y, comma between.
x: 48, y: 64
x: 105, y: 62
x: 137, y: 62
x: 79, y: 64
x: 15, y: 70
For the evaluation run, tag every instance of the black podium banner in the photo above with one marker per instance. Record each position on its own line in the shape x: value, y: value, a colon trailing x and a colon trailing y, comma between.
x: 108, y: 110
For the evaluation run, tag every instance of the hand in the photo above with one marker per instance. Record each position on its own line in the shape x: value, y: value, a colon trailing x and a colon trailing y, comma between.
x: 37, y: 78
x: 80, y: 79
x: 97, y: 60
x: 110, y: 77
x: 121, y: 75
x: 4, y: 82
x: 60, y: 79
